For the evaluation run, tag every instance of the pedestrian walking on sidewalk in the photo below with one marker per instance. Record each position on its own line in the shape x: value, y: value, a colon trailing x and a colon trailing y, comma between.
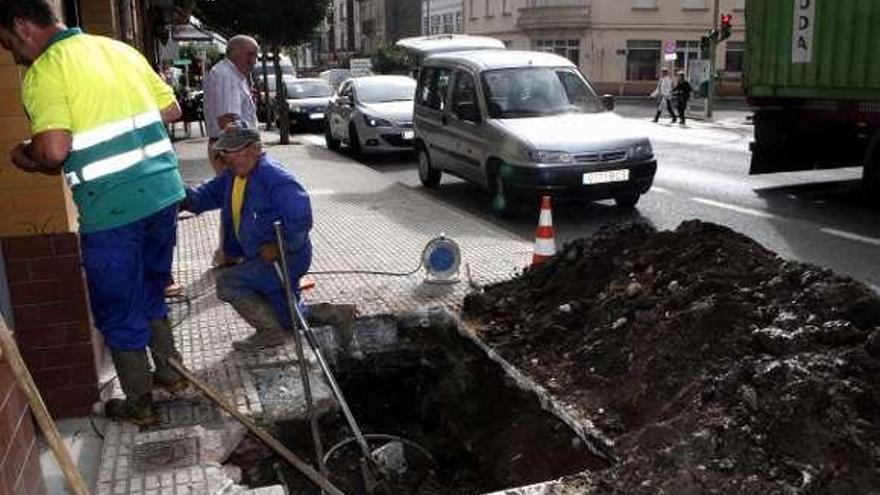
x: 681, y: 93
x: 663, y: 94
x: 253, y: 192
x: 229, y: 98
x: 97, y: 115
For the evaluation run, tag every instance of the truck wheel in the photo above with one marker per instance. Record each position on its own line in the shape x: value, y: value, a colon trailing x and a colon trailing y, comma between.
x: 429, y: 175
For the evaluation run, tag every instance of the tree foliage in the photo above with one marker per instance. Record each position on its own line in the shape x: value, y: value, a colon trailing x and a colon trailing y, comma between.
x: 392, y: 59
x: 272, y: 22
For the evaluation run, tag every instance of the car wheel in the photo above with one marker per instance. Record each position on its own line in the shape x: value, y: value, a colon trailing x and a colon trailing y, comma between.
x: 332, y: 143
x: 429, y: 175
x: 628, y: 200
x: 354, y: 142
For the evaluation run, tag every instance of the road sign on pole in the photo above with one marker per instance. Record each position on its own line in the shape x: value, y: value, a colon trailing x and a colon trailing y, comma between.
x: 669, y: 47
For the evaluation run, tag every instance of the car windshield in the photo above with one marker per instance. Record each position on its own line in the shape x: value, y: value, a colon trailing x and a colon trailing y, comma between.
x: 308, y: 89
x: 537, y: 92
x: 385, y: 90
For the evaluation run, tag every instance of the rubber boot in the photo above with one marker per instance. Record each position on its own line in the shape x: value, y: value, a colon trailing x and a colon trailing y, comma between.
x: 133, y: 370
x: 657, y: 117
x: 258, y: 313
x: 161, y: 347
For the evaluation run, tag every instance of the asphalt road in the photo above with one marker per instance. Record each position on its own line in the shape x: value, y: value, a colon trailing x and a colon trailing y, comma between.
x: 817, y: 217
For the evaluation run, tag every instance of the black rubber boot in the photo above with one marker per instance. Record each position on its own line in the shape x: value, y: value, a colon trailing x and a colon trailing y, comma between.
x: 133, y: 370
x: 657, y: 117
x: 258, y: 313
x: 162, y: 346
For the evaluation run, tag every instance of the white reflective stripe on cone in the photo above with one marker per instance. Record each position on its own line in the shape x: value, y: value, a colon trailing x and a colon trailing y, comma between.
x: 106, y: 132
x: 546, y: 219
x: 122, y: 161
x: 546, y: 247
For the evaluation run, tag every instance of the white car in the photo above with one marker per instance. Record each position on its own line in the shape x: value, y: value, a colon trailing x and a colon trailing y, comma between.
x: 372, y: 114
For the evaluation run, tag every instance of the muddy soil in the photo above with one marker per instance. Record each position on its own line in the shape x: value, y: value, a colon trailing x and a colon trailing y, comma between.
x: 714, y: 365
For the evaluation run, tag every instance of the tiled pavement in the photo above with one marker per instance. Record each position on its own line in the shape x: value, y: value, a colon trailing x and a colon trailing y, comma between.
x: 362, y: 222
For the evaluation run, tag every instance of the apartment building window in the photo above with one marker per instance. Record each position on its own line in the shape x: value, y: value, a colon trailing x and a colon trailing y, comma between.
x: 436, y: 24
x: 644, y: 4
x: 693, y: 4
x: 425, y: 26
x: 459, y: 24
x: 448, y: 27
x: 734, y: 56
x: 489, y: 8
x: 642, y: 60
x: 505, y: 7
x: 570, y: 49
x: 471, y: 9
x: 686, y: 51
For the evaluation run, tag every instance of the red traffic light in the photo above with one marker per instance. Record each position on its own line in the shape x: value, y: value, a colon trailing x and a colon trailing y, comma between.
x: 726, y: 19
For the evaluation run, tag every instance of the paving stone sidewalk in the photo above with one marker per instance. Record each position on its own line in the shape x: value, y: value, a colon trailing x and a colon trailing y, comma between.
x: 362, y: 222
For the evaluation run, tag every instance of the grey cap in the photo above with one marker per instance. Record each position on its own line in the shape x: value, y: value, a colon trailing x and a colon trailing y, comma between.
x: 234, y: 138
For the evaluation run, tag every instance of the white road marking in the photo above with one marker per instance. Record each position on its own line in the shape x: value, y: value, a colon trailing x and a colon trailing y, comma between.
x: 851, y: 236
x: 738, y: 209
x: 876, y: 289
x: 660, y: 190
x: 321, y: 192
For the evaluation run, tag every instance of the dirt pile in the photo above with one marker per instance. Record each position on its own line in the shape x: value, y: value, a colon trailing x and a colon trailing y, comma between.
x: 714, y: 365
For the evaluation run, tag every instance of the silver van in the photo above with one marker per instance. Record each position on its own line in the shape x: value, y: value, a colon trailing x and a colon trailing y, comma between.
x: 522, y: 123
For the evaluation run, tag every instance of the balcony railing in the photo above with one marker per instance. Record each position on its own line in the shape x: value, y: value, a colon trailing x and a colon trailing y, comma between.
x: 554, y: 14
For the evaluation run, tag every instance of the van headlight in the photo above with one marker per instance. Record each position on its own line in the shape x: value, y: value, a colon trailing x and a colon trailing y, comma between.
x: 541, y: 156
x: 641, y: 151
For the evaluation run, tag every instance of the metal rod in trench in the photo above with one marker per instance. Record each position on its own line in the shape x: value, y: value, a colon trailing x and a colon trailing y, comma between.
x: 311, y: 411
x: 310, y: 337
x: 291, y: 458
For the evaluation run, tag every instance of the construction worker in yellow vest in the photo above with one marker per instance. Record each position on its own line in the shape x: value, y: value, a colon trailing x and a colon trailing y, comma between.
x: 97, y: 112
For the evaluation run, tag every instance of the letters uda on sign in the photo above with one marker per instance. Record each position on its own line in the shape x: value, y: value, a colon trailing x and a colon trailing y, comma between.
x: 802, y: 31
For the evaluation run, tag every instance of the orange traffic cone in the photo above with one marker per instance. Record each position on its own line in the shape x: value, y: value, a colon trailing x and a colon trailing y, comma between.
x: 545, y: 244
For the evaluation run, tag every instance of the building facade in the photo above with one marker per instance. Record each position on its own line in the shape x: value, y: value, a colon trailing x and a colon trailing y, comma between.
x: 442, y: 16
x: 620, y: 46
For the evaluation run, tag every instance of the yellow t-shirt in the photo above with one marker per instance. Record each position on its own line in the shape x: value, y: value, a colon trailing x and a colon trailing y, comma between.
x: 238, y: 186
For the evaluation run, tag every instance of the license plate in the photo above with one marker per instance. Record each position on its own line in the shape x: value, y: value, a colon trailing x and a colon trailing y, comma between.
x: 316, y: 116
x: 607, y: 176
x: 408, y: 135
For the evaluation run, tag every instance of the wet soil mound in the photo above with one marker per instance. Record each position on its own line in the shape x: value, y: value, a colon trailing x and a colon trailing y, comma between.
x: 714, y: 365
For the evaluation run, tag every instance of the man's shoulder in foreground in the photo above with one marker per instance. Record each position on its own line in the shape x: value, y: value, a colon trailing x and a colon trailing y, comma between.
x: 273, y: 169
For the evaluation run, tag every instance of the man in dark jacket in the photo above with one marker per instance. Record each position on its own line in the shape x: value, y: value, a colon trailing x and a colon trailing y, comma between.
x: 254, y: 191
x: 681, y: 93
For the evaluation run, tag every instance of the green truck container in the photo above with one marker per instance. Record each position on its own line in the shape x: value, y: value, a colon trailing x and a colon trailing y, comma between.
x: 812, y: 75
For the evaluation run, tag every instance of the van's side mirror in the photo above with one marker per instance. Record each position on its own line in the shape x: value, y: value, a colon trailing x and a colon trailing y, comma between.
x: 468, y: 111
x: 608, y: 102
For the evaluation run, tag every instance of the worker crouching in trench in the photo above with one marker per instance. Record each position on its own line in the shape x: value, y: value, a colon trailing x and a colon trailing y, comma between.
x: 253, y: 193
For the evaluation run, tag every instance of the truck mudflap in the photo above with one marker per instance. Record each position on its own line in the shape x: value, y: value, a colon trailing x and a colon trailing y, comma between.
x: 788, y: 140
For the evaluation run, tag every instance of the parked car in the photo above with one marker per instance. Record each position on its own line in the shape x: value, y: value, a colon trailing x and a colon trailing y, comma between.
x: 372, y: 114
x: 521, y: 123
x: 307, y: 101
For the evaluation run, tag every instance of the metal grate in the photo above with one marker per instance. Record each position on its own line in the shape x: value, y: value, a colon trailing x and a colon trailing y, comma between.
x: 165, y: 454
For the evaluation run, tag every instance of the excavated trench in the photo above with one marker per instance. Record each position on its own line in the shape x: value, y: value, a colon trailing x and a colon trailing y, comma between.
x: 433, y: 387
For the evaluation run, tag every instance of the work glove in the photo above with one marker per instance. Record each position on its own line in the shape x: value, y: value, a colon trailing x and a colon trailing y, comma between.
x: 269, y: 253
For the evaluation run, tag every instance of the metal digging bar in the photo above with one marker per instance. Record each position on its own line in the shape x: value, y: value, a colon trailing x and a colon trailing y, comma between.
x: 310, y: 337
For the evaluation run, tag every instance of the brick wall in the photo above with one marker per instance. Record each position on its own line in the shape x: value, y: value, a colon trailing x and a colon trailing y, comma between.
x: 52, y: 327
x: 20, y: 472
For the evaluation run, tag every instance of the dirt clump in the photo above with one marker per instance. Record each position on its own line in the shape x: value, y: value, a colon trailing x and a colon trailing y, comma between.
x: 713, y: 365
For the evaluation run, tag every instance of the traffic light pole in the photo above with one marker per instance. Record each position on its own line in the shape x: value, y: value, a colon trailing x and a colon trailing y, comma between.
x: 713, y: 48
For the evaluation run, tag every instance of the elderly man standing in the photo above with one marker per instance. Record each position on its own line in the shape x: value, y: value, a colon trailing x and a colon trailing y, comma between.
x: 229, y: 98
x: 96, y: 111
x: 254, y: 191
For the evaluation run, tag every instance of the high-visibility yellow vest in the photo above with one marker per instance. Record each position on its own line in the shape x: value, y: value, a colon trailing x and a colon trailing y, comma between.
x: 121, y: 166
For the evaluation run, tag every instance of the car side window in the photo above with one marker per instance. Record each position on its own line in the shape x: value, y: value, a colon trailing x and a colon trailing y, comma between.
x: 433, y: 88
x: 464, y: 98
